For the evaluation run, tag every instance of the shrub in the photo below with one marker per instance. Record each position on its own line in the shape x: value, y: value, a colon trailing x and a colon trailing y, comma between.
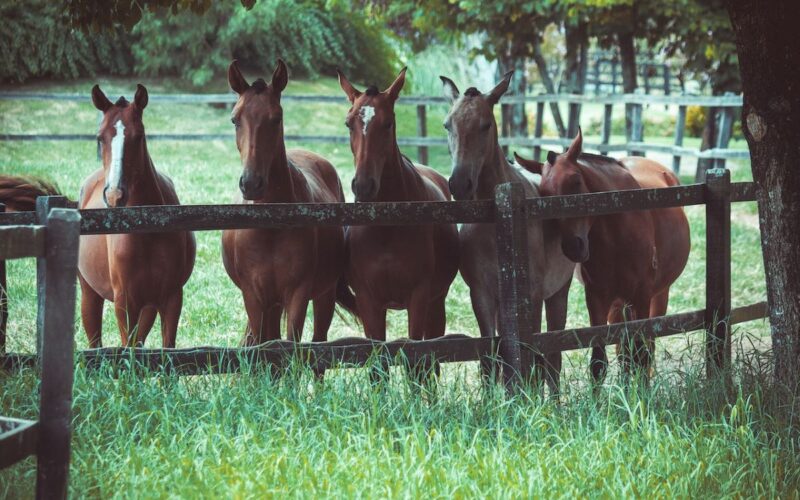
x: 308, y: 37
x: 36, y: 41
x: 695, y: 120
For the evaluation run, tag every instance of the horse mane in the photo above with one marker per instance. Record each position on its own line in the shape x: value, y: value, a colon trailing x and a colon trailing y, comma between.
x: 472, y: 92
x: 595, y: 160
x: 122, y: 102
x: 372, y: 91
x: 259, y: 85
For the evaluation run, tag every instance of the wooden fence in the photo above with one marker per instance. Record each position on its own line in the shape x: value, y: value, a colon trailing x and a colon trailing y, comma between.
x: 630, y: 105
x: 509, y: 211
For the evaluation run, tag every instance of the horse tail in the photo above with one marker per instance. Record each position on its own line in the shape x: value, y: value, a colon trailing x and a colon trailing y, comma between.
x: 345, y: 298
x: 19, y: 193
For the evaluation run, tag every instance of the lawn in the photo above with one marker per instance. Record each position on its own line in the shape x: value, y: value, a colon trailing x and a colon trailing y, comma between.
x: 249, y: 435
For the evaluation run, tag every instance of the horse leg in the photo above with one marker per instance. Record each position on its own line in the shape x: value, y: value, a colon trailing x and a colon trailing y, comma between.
x: 435, y: 328
x: 256, y: 320
x: 91, y: 314
x: 324, y: 306
x: 127, y: 315
x: 373, y: 316
x: 485, y: 309
x: 170, y: 315
x: 531, y: 362
x: 556, y: 311
x: 296, y: 315
x: 598, y: 315
x: 146, y: 319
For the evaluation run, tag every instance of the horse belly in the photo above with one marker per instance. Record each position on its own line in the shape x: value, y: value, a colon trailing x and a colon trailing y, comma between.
x: 93, y: 265
x: 148, y: 268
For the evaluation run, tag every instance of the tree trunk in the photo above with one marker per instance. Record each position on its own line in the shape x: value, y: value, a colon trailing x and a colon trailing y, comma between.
x: 577, y: 38
x: 769, y: 61
x: 627, y: 54
x: 515, y: 121
x: 541, y: 66
x: 708, y: 139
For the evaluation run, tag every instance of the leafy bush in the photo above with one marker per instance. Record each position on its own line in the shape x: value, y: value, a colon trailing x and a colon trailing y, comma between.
x: 308, y: 37
x: 695, y: 120
x: 36, y: 41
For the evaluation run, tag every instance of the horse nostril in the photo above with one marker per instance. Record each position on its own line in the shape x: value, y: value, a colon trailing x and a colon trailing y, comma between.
x: 259, y: 182
x: 241, y: 183
x: 469, y: 185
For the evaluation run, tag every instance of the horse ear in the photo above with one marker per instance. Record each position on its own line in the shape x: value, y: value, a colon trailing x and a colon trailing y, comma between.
x: 280, y: 77
x: 552, y: 156
x: 348, y: 88
x: 397, y: 85
x: 236, y: 80
x: 532, y: 166
x: 450, y: 90
x: 140, y: 99
x: 497, y: 92
x: 100, y: 100
x: 576, y: 146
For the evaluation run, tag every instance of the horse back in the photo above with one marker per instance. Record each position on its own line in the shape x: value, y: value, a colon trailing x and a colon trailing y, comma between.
x: 323, y: 181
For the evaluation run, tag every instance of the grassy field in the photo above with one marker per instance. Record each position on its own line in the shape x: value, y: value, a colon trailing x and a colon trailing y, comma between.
x: 249, y: 435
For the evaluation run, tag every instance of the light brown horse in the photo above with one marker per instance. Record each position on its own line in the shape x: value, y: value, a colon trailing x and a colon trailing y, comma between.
x: 142, y: 274
x: 281, y: 269
x: 395, y: 267
x: 627, y: 261
x: 478, y: 167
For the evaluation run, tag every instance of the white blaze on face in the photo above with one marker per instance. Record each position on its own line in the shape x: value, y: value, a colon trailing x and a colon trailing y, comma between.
x: 115, y: 169
x: 367, y: 113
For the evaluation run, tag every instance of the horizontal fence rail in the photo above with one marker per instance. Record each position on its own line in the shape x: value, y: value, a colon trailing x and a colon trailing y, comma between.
x: 634, y: 143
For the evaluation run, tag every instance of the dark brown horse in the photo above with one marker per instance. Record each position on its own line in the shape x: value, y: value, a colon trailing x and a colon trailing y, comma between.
x: 19, y: 192
x: 281, y: 269
x: 142, y: 274
x: 478, y: 167
x: 627, y: 261
x: 395, y: 267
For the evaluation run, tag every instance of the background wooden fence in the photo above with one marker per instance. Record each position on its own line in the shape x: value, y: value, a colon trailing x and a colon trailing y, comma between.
x: 632, y: 104
x: 509, y: 211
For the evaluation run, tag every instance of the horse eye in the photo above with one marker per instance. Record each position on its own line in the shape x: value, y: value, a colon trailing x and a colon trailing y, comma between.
x: 348, y: 124
x: 390, y: 124
x: 235, y: 122
x: 446, y: 125
x: 486, y: 126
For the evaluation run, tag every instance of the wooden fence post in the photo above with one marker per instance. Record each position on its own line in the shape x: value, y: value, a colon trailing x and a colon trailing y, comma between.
x: 635, y: 133
x: 680, y: 127
x: 718, y: 270
x: 57, y: 362
x: 605, y: 135
x: 422, y: 131
x: 505, y: 125
x: 613, y: 76
x: 515, y: 311
x: 537, y: 130
x: 3, y: 300
x: 667, y: 80
x: 646, y: 76
x: 724, y: 128
x: 596, y: 77
x: 43, y: 206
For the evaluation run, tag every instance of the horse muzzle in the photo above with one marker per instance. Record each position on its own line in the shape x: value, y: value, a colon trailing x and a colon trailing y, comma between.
x: 461, y: 187
x: 251, y: 186
x: 364, y: 188
x: 114, y: 197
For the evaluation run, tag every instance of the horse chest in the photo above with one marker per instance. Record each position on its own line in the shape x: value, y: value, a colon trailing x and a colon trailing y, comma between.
x: 275, y: 258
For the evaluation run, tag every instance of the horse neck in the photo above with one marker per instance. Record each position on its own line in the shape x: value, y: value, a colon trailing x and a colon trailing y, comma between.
x: 283, y: 181
x: 143, y: 188
x: 400, y: 181
x: 495, y: 170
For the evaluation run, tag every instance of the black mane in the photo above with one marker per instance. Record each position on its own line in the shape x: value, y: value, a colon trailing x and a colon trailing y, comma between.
x: 472, y: 92
x: 372, y: 90
x: 122, y: 102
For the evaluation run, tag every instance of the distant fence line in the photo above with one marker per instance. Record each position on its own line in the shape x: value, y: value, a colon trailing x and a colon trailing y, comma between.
x: 634, y: 104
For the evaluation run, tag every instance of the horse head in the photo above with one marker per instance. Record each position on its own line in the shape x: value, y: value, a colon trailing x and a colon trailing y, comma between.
x: 373, y: 136
x: 121, y: 136
x: 471, y: 133
x: 258, y: 118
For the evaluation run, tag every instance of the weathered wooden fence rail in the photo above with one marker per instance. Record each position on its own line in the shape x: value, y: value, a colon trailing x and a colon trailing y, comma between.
x: 633, y: 105
x: 508, y: 210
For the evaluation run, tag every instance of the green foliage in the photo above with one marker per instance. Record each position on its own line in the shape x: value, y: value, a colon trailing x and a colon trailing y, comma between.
x: 308, y: 37
x: 36, y: 42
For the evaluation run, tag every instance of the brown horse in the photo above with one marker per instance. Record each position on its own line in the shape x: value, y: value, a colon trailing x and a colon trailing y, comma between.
x: 478, y: 167
x: 627, y: 261
x: 397, y: 267
x: 281, y: 269
x: 142, y: 274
